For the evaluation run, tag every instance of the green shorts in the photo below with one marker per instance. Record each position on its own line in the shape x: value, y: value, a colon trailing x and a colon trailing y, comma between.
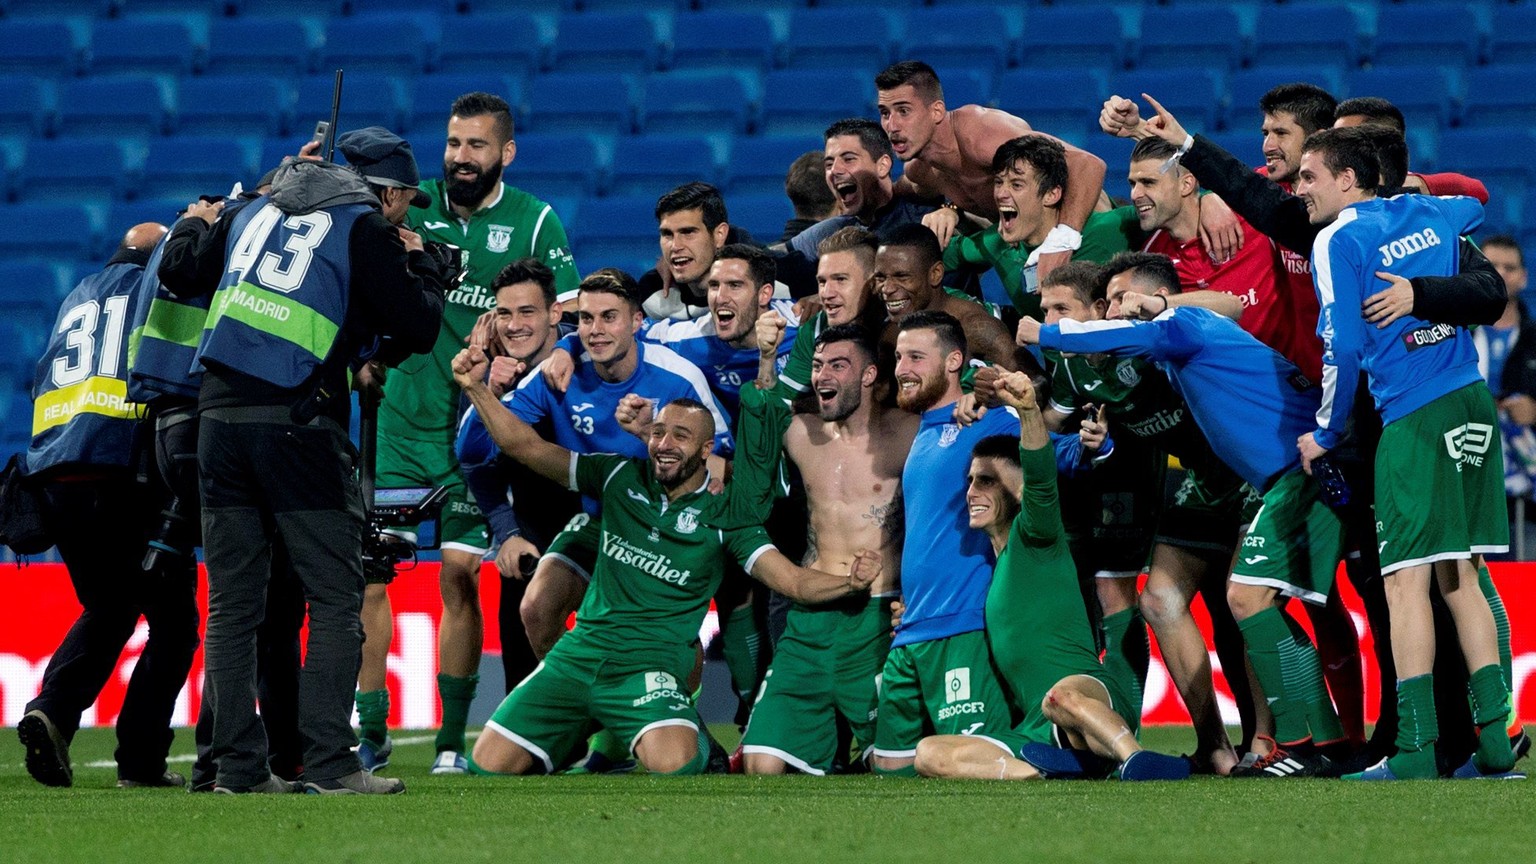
x: 551, y: 713
x: 1440, y: 482
x: 1111, y: 513
x: 828, y: 662
x: 577, y: 544
x: 1295, y: 543
x: 1209, y: 512
x: 941, y: 687
x: 408, y: 462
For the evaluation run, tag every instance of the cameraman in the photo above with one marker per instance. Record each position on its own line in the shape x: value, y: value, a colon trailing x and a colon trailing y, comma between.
x: 306, y: 282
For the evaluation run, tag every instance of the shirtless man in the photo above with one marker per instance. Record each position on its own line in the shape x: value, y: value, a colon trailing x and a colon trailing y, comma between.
x: 851, y: 453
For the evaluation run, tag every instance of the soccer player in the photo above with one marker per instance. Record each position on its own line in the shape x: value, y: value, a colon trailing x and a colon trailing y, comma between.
x: 1291, y: 113
x: 494, y: 224
x: 851, y: 452
x: 1438, y: 424
x: 858, y: 171
x: 845, y: 280
x: 1373, y: 110
x: 660, y: 562
x: 1038, y: 629
x: 807, y: 193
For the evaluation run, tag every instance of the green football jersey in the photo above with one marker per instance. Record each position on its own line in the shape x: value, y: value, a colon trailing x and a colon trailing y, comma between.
x: 797, y: 369
x: 420, y: 399
x: 658, y: 564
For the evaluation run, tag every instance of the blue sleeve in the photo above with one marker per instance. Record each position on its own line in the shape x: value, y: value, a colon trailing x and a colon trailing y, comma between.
x: 1071, y: 459
x: 1169, y: 336
x: 1464, y: 213
x: 532, y: 401
x: 1341, y: 280
x: 479, y: 463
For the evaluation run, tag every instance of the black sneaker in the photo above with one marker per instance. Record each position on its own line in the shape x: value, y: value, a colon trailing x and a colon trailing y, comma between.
x: 1282, y: 762
x: 1520, y: 743
x: 47, y: 751
x: 168, y: 780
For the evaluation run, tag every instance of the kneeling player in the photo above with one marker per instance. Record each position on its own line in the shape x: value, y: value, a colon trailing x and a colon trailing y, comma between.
x: 1038, y: 627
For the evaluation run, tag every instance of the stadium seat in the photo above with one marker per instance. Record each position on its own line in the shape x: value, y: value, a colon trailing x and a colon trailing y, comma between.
x: 1428, y: 34
x: 606, y: 42
x: 1058, y: 101
x: 965, y: 86
x: 117, y: 104
x: 1422, y: 93
x: 1512, y: 38
x: 509, y: 44
x: 1500, y: 96
x: 32, y: 287
x: 1245, y: 144
x: 838, y: 38
x: 722, y: 40
x: 1182, y: 37
x: 624, y: 5
x: 376, y: 7
x: 1246, y: 87
x: 958, y: 37
x: 556, y: 165
x: 695, y: 103
x: 188, y: 166
x: 39, y: 46
x: 158, y: 45
x: 274, y: 149
x: 1116, y: 153
x: 1304, y: 34
x: 1072, y: 38
x: 432, y: 96
x: 72, y: 169
x: 26, y: 105
x: 269, y: 45
x: 382, y: 44
x: 232, y: 105
x: 72, y: 8
x: 368, y: 99
x: 759, y: 164
x: 1193, y: 95
x: 1494, y: 156
x: 47, y: 231
x: 581, y: 102
x: 122, y: 215
x: 805, y: 102
x: 616, y: 231
x: 652, y: 164
x: 763, y: 214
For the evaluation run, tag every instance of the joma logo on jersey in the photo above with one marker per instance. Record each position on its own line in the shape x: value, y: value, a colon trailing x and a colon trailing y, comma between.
x: 1426, y: 336
x: 1468, y: 442
x: 498, y: 238
x: 1402, y: 247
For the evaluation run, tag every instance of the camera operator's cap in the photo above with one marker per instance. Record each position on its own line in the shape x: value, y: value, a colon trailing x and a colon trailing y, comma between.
x: 384, y: 159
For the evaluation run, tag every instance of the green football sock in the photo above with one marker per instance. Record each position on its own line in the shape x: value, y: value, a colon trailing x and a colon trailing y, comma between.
x: 457, y: 694
x: 373, y: 716
x: 1490, y: 707
x: 1127, y: 653
x: 1269, y: 647
x: 1304, y: 679
x: 1501, y: 625
x: 1417, y: 729
x: 741, y: 641
x: 909, y: 771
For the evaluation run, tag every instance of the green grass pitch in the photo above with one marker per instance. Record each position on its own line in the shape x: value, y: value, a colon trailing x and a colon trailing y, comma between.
x: 803, y: 820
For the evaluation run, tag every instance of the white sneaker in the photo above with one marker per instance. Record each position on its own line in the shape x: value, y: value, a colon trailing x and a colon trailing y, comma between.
x: 449, y: 762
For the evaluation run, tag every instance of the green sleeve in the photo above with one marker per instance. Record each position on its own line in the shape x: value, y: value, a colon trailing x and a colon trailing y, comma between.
x: 744, y: 544
x: 966, y: 249
x: 1063, y: 396
x: 592, y: 471
x: 760, y: 425
x: 1108, y: 234
x: 796, y: 376
x: 551, y: 247
x: 1039, y: 519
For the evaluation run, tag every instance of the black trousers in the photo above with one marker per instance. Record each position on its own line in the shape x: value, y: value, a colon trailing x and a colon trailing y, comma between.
x: 101, y: 526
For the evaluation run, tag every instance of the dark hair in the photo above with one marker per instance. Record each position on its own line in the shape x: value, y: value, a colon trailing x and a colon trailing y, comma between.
x: 1145, y: 267
x: 1506, y: 242
x: 1045, y: 155
x: 871, y: 137
x: 688, y: 402
x: 1391, y: 153
x: 806, y: 186
x: 1311, y: 105
x: 759, y: 262
x: 612, y: 280
x: 694, y: 196
x: 854, y: 333
x: 1374, y: 109
x: 853, y: 238
x: 914, y: 235
x: 527, y: 270
x: 944, y: 325
x: 1353, y: 148
x: 481, y: 104
x: 1086, y: 279
x: 1004, y: 447
x: 1153, y: 148
x: 916, y: 73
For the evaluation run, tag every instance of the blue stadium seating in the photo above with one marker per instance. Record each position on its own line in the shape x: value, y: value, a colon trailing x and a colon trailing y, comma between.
x: 1512, y: 38
x: 559, y: 164
x: 1500, y: 96
x: 274, y: 149
x: 39, y: 46
x: 606, y: 42
x: 1422, y: 93
x: 616, y: 231
x: 701, y: 102
x: 958, y: 37
x: 26, y: 105
x: 1193, y: 95
x: 1426, y: 34
x: 271, y: 45
x: 1063, y: 102
x: 116, y: 104
x: 381, y: 44
x: 650, y: 164
x: 805, y: 101
x: 368, y: 99
x: 122, y: 215
x: 232, y: 105
x: 509, y: 44
x: 187, y: 166
x: 160, y: 45
x: 432, y: 96
x: 722, y: 40
x: 763, y: 215
x: 1116, y: 153
x: 47, y: 232
x: 838, y: 38
x: 1306, y: 33
x: 759, y: 164
x: 1246, y: 87
x: 1183, y: 37
x: 1073, y: 38
x: 1245, y: 144
x: 624, y: 5
x: 1494, y: 156
x: 598, y: 102
x: 73, y: 169
x: 965, y: 86
x: 31, y: 287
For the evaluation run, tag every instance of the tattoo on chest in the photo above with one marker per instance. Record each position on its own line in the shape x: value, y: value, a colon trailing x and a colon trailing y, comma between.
x: 888, y: 517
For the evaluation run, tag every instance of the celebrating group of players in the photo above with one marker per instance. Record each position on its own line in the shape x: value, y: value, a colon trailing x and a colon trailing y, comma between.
x: 973, y: 493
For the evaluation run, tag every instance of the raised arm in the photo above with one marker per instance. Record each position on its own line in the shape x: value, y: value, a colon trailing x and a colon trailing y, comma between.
x: 515, y: 438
